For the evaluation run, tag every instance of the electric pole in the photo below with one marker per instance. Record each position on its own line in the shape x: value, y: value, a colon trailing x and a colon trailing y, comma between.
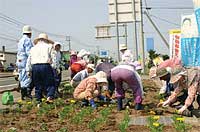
x: 68, y: 39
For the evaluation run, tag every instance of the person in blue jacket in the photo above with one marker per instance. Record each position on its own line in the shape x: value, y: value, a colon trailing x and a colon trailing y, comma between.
x: 24, y: 46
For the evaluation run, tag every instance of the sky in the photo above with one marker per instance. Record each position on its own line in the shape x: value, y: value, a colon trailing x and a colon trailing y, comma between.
x: 78, y: 18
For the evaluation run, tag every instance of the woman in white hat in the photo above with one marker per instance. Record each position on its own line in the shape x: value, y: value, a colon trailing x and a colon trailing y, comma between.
x: 89, y: 88
x: 40, y: 60
x: 24, y: 47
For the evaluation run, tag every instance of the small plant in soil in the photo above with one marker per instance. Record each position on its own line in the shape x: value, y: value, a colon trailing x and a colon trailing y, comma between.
x: 124, y: 124
x: 64, y: 129
x: 179, y: 124
x: 154, y: 125
x: 65, y: 113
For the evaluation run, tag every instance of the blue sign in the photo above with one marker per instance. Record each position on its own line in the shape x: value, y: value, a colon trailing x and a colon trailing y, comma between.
x: 103, y: 53
x: 190, y: 54
x: 150, y: 44
x: 197, y: 14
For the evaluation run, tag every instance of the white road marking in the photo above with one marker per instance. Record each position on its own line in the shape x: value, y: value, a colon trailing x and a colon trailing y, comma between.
x: 8, y: 85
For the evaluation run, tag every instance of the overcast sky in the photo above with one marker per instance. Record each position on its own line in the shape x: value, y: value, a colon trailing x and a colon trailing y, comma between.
x: 77, y: 18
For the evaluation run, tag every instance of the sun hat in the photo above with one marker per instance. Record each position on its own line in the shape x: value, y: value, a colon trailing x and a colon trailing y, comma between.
x: 57, y: 43
x: 83, y: 53
x: 161, y: 72
x: 101, y: 77
x: 73, y: 53
x: 27, y: 29
x: 42, y: 36
x: 123, y: 47
x: 91, y: 66
x: 176, y: 74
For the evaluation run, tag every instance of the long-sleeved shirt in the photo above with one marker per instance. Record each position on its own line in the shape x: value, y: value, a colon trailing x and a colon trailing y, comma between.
x: 193, y: 78
x: 41, y: 53
x: 57, y: 58
x: 88, y: 86
x: 23, y: 51
x: 80, y: 75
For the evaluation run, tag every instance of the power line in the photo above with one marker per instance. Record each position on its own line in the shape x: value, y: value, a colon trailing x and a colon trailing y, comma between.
x: 165, y: 20
x: 5, y: 38
x: 168, y: 8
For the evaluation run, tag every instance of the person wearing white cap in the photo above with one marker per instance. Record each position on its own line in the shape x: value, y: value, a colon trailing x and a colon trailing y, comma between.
x: 89, y: 88
x: 39, y: 62
x: 82, y: 75
x: 57, y: 66
x: 23, y: 51
x: 127, y: 55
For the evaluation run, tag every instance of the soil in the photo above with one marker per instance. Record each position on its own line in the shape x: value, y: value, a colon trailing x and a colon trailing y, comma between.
x: 30, y: 121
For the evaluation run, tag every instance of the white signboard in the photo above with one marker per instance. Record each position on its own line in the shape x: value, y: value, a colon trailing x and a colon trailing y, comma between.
x: 125, y: 11
x: 103, y: 54
x: 189, y: 26
x: 103, y: 31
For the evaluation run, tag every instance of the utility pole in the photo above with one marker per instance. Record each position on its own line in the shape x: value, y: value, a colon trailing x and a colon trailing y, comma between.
x: 117, y: 29
x: 142, y: 38
x: 126, y: 34
x: 68, y: 38
x: 135, y: 29
x: 154, y: 25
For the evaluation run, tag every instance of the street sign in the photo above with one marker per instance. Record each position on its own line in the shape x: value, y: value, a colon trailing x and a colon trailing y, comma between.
x: 128, y: 11
x: 174, y: 43
x: 150, y: 44
x: 103, y: 54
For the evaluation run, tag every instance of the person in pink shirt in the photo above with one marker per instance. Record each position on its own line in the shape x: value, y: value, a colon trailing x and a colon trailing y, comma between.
x: 189, y: 79
x: 89, y: 88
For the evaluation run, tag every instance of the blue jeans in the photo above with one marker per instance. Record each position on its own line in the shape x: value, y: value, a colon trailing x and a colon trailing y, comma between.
x: 43, y: 80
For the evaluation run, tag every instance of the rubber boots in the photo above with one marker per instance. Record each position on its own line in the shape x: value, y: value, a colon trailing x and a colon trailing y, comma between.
x: 23, y: 93
x: 119, y: 104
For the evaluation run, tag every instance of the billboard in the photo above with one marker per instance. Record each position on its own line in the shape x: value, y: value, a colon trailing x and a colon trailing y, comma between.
x: 125, y: 11
x: 174, y: 43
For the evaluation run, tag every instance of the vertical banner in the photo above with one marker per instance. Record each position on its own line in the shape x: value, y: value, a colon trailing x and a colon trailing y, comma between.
x: 174, y: 43
x: 190, y: 51
x: 197, y: 13
x: 150, y: 44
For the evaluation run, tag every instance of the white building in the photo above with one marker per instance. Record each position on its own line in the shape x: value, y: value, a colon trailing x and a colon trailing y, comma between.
x: 6, y: 58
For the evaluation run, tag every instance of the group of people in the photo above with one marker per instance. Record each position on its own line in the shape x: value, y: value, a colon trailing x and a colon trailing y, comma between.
x: 181, y: 84
x: 39, y: 65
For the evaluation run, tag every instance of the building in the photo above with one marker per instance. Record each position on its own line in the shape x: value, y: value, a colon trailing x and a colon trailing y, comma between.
x: 7, y: 58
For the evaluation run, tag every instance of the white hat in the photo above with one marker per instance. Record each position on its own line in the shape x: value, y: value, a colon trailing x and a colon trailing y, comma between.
x: 91, y: 66
x: 82, y: 53
x: 101, y: 77
x: 73, y: 53
x: 27, y: 29
x: 42, y: 36
x: 57, y: 43
x: 123, y: 47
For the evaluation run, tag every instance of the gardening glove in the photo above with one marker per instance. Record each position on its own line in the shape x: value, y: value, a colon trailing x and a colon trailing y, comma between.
x: 180, y: 111
x: 92, y: 103
x: 163, y: 104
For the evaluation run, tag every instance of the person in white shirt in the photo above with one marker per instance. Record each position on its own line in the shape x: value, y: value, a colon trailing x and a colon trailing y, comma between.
x: 39, y: 64
x: 57, y: 66
x: 82, y: 75
x: 127, y: 55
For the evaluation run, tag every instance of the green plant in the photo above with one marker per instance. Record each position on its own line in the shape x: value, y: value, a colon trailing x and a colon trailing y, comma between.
x: 12, y: 129
x: 65, y: 113
x: 78, y: 118
x: 124, y: 124
x: 44, y: 127
x: 94, y: 124
x: 154, y: 125
x: 64, y: 129
x: 179, y: 124
x: 105, y: 112
x: 45, y: 109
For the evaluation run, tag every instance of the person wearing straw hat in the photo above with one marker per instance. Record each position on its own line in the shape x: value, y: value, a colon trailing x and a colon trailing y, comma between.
x: 188, y: 79
x: 23, y: 50
x: 127, y: 74
x: 89, y: 88
x: 40, y: 60
x: 164, y: 75
x: 82, y: 75
x: 127, y: 55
